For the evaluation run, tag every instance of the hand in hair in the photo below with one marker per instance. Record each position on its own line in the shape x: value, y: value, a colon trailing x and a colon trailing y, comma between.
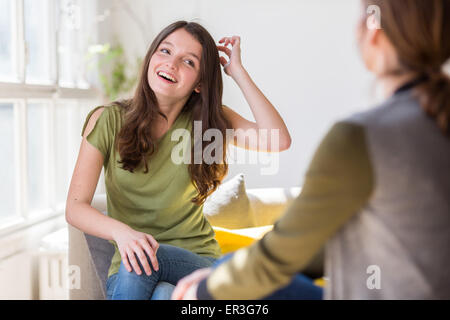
x: 234, y: 63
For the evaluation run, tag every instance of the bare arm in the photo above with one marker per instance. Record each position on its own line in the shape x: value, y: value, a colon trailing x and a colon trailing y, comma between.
x: 267, y: 117
x: 79, y: 212
x: 81, y: 215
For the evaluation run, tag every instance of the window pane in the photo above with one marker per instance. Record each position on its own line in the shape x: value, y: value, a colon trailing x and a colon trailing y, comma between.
x: 36, y: 152
x: 63, y: 139
x: 68, y: 41
x: 36, y: 36
x: 6, y: 61
x: 76, y: 33
x: 7, y: 163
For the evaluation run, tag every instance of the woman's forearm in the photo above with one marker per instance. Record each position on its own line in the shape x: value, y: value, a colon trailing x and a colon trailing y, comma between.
x: 91, y: 221
x: 266, y: 116
x: 130, y: 243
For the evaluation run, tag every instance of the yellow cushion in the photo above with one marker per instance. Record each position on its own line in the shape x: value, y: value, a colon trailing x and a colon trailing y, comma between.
x: 320, y: 282
x: 233, y: 239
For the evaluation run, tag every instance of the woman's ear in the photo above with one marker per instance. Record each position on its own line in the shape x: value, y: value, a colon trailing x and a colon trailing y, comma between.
x: 373, y: 37
x: 197, y: 89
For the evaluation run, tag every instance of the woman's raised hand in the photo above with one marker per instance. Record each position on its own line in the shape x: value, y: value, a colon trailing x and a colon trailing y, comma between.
x: 234, y: 63
x: 132, y: 244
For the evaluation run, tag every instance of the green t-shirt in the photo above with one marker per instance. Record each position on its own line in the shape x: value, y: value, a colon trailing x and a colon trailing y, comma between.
x: 158, y: 202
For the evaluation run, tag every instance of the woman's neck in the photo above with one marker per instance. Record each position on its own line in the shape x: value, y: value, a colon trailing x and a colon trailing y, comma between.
x: 392, y: 83
x: 171, y: 109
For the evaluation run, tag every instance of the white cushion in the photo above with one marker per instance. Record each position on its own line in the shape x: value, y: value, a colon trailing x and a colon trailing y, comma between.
x: 268, y: 204
x: 229, y: 206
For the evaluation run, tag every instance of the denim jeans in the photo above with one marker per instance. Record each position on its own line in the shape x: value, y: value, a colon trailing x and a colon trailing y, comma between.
x: 163, y: 290
x: 300, y: 288
x: 174, y: 264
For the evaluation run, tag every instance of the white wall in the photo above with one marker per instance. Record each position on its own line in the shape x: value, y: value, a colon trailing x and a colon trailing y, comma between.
x: 301, y: 53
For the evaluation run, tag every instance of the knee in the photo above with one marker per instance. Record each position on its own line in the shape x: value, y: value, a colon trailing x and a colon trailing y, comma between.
x: 131, y: 286
x: 163, y: 291
x: 126, y: 275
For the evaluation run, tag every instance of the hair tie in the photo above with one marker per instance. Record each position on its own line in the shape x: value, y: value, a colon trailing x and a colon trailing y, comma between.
x: 434, y: 71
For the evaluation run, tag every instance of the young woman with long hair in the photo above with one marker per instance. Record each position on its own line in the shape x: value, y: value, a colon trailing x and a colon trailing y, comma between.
x: 154, y: 204
x: 376, y: 195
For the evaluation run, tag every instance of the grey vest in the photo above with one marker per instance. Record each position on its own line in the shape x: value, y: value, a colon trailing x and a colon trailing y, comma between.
x: 398, y: 245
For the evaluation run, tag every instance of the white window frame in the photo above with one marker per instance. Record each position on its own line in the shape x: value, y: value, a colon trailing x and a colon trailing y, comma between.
x: 19, y: 93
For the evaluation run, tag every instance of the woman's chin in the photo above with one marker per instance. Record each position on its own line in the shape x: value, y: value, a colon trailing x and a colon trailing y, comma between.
x: 163, y: 92
x: 166, y: 96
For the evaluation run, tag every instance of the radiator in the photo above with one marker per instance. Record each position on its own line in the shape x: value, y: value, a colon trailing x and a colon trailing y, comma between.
x: 53, y: 276
x: 53, y: 266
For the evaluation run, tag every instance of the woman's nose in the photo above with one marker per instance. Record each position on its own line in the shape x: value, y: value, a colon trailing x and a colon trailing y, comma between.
x: 172, y: 64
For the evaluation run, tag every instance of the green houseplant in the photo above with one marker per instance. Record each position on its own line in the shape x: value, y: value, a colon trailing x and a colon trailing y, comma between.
x: 112, y: 69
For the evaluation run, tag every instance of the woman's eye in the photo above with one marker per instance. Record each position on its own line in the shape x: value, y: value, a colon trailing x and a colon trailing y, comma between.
x: 165, y: 51
x: 190, y: 62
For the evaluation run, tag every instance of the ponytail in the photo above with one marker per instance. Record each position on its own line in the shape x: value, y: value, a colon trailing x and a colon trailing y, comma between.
x: 434, y: 97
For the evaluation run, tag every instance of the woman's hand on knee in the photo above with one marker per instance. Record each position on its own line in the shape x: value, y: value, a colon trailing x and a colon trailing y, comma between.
x: 134, y: 245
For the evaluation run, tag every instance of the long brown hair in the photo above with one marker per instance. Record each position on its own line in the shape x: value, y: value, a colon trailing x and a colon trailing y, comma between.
x: 419, y: 30
x: 135, y: 142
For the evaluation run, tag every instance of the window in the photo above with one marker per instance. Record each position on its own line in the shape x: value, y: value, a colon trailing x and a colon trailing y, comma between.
x: 6, y: 44
x: 75, y: 24
x: 37, y: 154
x: 7, y: 161
x: 69, y: 26
x: 44, y: 91
x: 37, y: 33
x: 65, y: 114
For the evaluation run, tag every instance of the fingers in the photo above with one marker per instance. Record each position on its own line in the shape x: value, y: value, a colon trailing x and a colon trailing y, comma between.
x: 143, y: 258
x: 151, y: 254
x: 224, y: 50
x: 153, y: 242
x: 125, y: 261
x: 233, y: 53
x: 152, y: 251
x: 223, y: 61
x: 133, y: 261
x: 223, y: 40
x: 181, y: 288
x: 235, y: 41
x: 141, y: 248
x: 184, y: 284
x: 230, y: 40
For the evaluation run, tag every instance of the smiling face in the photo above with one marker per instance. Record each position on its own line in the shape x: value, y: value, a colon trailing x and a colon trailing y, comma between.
x: 174, y: 69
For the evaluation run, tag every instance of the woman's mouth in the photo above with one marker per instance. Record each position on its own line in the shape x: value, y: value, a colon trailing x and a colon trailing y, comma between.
x: 166, y: 77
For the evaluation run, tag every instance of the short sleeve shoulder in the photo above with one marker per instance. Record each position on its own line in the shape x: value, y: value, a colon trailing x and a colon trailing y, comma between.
x: 102, y: 135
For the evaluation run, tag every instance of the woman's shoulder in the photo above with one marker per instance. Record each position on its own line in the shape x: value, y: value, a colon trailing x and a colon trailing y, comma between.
x: 113, y: 109
x: 113, y: 112
x: 104, y: 110
x: 108, y: 116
